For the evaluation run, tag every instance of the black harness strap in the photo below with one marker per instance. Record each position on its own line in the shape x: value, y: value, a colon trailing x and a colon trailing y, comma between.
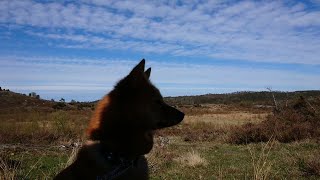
x: 119, y: 165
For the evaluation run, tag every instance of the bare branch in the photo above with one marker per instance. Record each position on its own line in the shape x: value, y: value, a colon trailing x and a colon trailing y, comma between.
x: 274, y: 99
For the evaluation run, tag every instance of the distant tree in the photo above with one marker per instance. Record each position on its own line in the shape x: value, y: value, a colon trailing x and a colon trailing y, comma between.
x: 33, y: 94
x: 52, y: 100
x: 37, y: 96
x: 60, y: 105
x: 73, y: 101
x: 0, y: 89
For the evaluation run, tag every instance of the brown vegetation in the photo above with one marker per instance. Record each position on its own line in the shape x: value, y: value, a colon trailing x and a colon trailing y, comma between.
x: 264, y: 99
x: 310, y: 166
x: 296, y: 122
x: 36, y: 139
x: 44, y: 128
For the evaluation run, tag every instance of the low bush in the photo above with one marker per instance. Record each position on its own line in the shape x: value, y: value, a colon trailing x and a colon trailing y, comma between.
x: 292, y: 123
x: 59, y: 105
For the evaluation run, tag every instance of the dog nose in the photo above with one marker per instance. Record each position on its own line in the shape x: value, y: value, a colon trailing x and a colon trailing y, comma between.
x: 180, y: 116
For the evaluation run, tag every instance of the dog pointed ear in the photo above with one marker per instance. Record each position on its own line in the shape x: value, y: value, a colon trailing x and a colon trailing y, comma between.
x: 139, y: 69
x: 148, y: 72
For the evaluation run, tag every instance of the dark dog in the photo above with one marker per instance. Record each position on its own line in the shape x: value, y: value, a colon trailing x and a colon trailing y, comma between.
x: 121, y: 130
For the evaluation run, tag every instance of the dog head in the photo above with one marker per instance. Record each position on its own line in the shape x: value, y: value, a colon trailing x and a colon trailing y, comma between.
x: 126, y: 118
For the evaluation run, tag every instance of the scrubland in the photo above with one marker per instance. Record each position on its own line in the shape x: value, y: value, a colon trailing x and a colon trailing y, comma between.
x: 215, y: 141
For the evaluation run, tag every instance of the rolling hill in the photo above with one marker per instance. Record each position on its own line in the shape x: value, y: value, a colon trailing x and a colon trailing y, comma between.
x: 11, y: 101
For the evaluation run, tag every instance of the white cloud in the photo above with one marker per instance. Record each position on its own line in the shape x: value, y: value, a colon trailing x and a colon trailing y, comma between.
x: 82, y: 76
x: 246, y: 30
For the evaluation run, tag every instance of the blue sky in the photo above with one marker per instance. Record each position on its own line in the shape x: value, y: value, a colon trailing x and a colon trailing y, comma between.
x: 80, y: 49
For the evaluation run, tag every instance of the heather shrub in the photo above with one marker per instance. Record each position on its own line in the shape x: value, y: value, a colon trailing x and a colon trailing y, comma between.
x: 59, y: 105
x: 292, y: 123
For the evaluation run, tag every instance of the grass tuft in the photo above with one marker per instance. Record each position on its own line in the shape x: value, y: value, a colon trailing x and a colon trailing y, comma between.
x: 9, y: 168
x: 261, y: 163
x: 310, y: 166
x: 192, y: 159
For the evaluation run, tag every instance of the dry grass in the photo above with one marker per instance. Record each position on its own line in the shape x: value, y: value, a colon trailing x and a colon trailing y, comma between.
x: 159, y: 155
x: 233, y: 118
x: 43, y: 128
x: 73, y: 154
x: 200, y: 109
x: 196, y: 132
x: 192, y: 159
x: 210, y: 127
x: 8, y: 168
x: 261, y: 163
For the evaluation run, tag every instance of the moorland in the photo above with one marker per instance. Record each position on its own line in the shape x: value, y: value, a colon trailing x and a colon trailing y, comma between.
x: 242, y: 135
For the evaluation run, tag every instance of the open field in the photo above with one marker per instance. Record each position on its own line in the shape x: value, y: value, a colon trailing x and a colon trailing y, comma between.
x: 37, y: 144
x: 185, y: 160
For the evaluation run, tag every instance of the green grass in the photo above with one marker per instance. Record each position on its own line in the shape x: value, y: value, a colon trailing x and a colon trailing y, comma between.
x: 36, y: 162
x: 223, y: 161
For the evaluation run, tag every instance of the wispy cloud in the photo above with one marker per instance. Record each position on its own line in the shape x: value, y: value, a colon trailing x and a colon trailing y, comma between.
x: 239, y: 30
x: 43, y: 74
x: 193, y: 47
